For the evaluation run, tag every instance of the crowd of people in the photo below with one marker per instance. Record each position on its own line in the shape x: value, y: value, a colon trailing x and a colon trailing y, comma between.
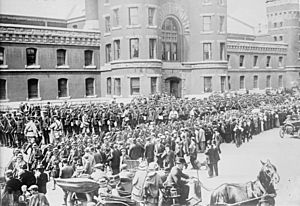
x: 72, y: 140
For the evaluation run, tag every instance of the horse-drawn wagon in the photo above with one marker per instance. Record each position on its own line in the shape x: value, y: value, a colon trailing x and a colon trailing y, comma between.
x: 291, y: 126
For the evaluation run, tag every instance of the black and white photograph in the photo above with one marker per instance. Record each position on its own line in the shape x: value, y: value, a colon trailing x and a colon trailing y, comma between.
x: 149, y: 102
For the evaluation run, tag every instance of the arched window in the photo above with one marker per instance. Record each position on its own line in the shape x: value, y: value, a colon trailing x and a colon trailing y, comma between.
x: 2, y: 89
x: 170, y: 40
x: 30, y: 56
x: 33, y: 88
x: 62, y: 87
x: 90, y: 87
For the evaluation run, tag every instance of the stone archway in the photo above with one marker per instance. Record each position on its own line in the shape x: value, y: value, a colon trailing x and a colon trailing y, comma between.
x: 174, y: 86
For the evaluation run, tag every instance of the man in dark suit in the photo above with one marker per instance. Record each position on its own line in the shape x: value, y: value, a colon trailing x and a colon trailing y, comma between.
x: 175, y: 178
x: 115, y: 159
x: 149, y: 150
x: 136, y: 151
x: 26, y: 177
x: 168, y: 157
x: 12, y: 186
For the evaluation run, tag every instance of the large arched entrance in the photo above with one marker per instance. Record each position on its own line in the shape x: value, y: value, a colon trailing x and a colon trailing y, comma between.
x: 173, y: 86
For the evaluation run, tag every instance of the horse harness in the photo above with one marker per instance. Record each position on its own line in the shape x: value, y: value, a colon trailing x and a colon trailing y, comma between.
x: 255, y: 189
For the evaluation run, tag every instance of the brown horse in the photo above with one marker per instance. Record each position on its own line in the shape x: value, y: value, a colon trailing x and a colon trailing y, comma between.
x: 259, y: 192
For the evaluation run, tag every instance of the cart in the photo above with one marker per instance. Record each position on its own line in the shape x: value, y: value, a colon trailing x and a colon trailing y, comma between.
x: 291, y: 127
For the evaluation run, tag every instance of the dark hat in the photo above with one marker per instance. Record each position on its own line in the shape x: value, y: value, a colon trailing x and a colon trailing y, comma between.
x: 180, y: 160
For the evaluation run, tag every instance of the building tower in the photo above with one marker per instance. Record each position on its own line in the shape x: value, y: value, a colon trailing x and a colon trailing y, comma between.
x: 284, y: 26
x: 91, y: 15
x: 167, y: 46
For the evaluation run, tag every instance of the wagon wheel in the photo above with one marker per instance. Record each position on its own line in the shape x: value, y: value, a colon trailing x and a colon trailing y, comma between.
x: 281, y: 132
x: 289, y: 129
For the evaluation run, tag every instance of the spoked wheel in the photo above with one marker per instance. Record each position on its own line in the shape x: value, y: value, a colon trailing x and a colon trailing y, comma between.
x: 281, y: 132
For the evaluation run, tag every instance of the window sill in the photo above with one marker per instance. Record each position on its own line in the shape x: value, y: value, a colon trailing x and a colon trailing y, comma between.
x: 90, y: 67
x: 116, y: 28
x: 268, y: 67
x: 32, y: 67
x: 133, y: 26
x: 255, y: 67
x: 3, y: 66
x: 34, y: 99
x: 207, y: 32
x: 106, y: 4
x: 91, y: 96
x: 64, y: 98
x: 242, y: 67
x: 4, y: 100
x: 207, y: 4
x: 63, y: 67
x: 152, y: 27
x: 106, y: 34
x: 116, y: 96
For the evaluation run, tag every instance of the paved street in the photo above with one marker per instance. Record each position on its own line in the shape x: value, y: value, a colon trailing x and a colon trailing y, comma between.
x: 239, y: 165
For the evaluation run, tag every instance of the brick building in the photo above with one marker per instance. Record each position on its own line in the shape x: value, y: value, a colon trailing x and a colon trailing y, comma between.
x: 178, y: 47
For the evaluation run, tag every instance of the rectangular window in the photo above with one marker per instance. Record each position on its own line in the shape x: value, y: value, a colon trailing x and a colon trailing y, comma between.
x: 229, y: 82
x: 62, y: 88
x: 108, y: 53
x: 280, y: 38
x: 255, y: 82
x: 299, y: 55
x: 222, y: 24
x: 108, y: 86
x: 280, y: 62
x: 1, y: 55
x: 152, y: 48
x: 222, y: 51
x: 207, y: 84
x: 117, y: 49
x: 242, y: 82
x: 268, y: 61
x: 134, y: 48
x: 228, y: 57
x: 280, y: 81
x: 223, y: 80
x: 242, y: 57
x: 107, y: 24
x: 255, y: 58
x: 275, y: 25
x: 275, y: 38
x: 33, y: 88
x: 88, y: 57
x: 151, y: 12
x: 61, y: 57
x: 89, y: 87
x: 133, y: 16
x: 31, y: 56
x: 206, y: 23
x: 2, y: 89
x: 207, y: 51
x: 117, y: 87
x: 135, y: 86
x: 153, y: 85
x: 268, y: 83
x: 116, y: 17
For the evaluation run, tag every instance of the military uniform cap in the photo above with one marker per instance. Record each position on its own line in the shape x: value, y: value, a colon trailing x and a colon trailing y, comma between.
x: 33, y: 187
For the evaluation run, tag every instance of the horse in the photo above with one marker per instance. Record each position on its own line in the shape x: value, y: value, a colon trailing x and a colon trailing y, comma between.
x: 259, y: 192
